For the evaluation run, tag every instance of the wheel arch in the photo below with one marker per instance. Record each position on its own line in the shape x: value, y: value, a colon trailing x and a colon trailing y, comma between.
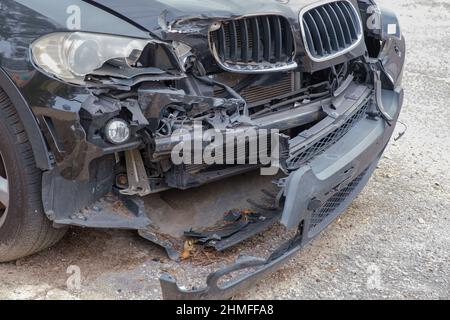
x: 29, y: 121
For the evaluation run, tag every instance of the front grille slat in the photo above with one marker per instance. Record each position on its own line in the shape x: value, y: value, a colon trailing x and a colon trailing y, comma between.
x: 323, y: 30
x: 278, y: 36
x: 222, y: 42
x: 309, y: 40
x: 244, y: 41
x: 233, y: 40
x: 330, y: 29
x: 317, y: 38
x: 339, y: 31
x: 348, y: 17
x: 355, y: 18
x: 267, y: 38
x: 344, y: 23
x: 289, y: 40
x: 257, y: 42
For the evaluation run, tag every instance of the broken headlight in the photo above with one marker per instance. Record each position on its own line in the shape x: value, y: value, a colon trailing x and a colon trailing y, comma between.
x: 70, y: 56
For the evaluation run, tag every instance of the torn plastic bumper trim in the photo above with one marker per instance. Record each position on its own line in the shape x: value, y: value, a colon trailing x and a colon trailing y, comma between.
x: 171, y: 291
x: 325, y: 177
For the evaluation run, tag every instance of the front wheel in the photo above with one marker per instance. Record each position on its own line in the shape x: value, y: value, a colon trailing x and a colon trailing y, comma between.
x: 24, y: 228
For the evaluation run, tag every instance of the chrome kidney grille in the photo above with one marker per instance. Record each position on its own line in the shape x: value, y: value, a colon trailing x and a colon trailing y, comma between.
x: 330, y: 29
x: 254, y: 44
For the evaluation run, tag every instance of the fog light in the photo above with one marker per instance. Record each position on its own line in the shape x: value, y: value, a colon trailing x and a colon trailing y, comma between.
x: 117, y: 131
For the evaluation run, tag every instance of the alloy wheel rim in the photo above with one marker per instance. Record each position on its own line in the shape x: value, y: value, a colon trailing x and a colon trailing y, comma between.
x: 4, y: 192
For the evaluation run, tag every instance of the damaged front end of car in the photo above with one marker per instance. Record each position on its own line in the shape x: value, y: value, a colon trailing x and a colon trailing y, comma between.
x: 314, y: 78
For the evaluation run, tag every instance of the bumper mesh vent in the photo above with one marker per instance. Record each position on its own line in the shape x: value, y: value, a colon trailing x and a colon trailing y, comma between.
x: 329, y: 208
x: 316, y: 148
x: 331, y: 29
x: 254, y: 44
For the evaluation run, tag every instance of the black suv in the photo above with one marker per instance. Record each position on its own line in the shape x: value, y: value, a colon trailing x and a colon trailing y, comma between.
x: 98, y: 97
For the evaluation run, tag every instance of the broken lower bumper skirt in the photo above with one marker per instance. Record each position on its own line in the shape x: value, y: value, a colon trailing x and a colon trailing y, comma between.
x: 315, y: 195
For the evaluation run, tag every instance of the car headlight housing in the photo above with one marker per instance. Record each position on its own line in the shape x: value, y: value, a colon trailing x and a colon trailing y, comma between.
x: 70, y: 56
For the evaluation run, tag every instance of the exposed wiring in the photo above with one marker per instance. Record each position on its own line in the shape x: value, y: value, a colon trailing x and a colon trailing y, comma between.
x: 228, y: 89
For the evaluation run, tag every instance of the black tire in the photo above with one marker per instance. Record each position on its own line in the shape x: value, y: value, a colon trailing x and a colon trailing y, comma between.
x: 25, y: 228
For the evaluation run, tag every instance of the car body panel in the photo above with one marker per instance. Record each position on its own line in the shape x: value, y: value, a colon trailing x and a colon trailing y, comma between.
x: 21, y: 23
x: 79, y: 167
x: 189, y: 22
x: 148, y: 13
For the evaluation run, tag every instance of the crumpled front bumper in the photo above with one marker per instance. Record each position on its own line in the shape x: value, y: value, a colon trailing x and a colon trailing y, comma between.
x: 316, y: 194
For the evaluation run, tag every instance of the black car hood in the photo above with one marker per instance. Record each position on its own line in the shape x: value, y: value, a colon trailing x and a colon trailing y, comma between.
x: 189, y: 22
x: 155, y: 14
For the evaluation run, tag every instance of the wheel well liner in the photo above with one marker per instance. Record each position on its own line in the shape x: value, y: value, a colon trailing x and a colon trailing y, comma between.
x: 28, y: 119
